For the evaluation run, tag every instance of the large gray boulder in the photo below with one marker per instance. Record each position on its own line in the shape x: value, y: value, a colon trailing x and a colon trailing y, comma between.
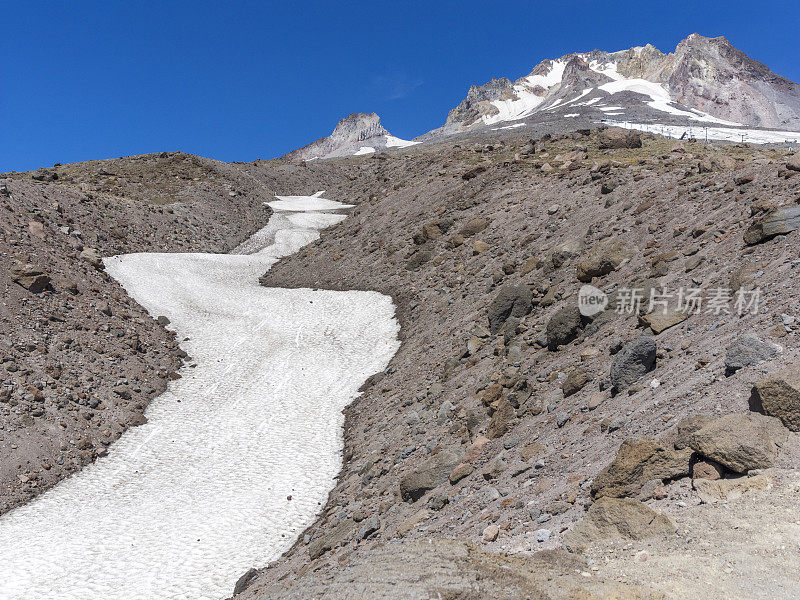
x: 428, y: 475
x: 779, y: 221
x: 512, y: 301
x: 745, y: 351
x: 563, y: 327
x: 632, y: 362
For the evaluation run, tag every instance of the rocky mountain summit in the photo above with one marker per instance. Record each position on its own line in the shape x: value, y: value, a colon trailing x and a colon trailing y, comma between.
x: 356, y: 134
x: 705, y: 80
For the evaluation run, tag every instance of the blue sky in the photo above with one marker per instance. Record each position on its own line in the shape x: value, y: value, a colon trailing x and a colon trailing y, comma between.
x: 244, y: 80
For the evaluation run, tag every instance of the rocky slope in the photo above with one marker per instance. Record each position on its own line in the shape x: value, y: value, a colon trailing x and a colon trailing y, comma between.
x: 356, y: 134
x: 79, y: 361
x: 704, y: 80
x: 514, y: 423
x: 514, y: 446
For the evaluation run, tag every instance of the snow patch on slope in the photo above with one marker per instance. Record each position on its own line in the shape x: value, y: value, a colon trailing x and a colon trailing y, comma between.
x: 529, y: 96
x: 306, y: 203
x: 396, y: 142
x: 659, y: 98
x: 754, y: 136
x: 186, y: 503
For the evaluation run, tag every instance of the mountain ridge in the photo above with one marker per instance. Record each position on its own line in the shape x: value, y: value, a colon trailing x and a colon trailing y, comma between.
x: 704, y: 79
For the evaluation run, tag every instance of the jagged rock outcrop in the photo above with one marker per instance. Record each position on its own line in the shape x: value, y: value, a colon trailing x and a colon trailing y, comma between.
x: 357, y: 133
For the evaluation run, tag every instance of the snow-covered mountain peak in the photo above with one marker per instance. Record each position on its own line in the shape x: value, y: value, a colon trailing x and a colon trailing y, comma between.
x: 705, y: 80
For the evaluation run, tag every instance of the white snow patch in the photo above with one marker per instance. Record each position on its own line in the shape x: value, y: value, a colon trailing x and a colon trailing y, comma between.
x: 607, y: 69
x: 186, y: 503
x: 579, y: 96
x: 659, y: 98
x: 514, y: 126
x: 754, y: 136
x: 364, y: 150
x: 306, y: 203
x: 570, y: 115
x: 396, y: 142
x: 527, y: 100
x: 607, y: 108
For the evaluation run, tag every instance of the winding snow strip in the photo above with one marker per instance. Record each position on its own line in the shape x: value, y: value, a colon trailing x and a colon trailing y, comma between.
x: 186, y: 503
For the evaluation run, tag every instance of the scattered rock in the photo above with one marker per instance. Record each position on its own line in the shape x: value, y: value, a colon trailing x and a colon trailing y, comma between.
x: 779, y: 396
x: 563, y: 327
x: 30, y: 277
x: 430, y: 474
x: 474, y: 226
x: 779, y: 221
x: 542, y: 536
x: 245, y: 581
x: 93, y: 257
x: 616, y: 137
x: 601, y: 260
x: 473, y: 173
x: 711, y: 491
x: 490, y: 533
x: 512, y: 301
x: 460, y: 472
x: 563, y: 252
x: 614, y: 518
x: 632, y: 362
x: 707, y: 469
x: 574, y: 382
x: 638, y: 461
x: 479, y: 247
x: 660, y: 320
x: 501, y: 419
x: 741, y: 442
x: 369, y: 527
x: 415, y: 262
x: 332, y: 538
x: 745, y: 351
x: 44, y: 175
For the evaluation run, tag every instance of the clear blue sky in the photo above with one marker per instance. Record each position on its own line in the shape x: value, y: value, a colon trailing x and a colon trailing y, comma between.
x: 243, y: 80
